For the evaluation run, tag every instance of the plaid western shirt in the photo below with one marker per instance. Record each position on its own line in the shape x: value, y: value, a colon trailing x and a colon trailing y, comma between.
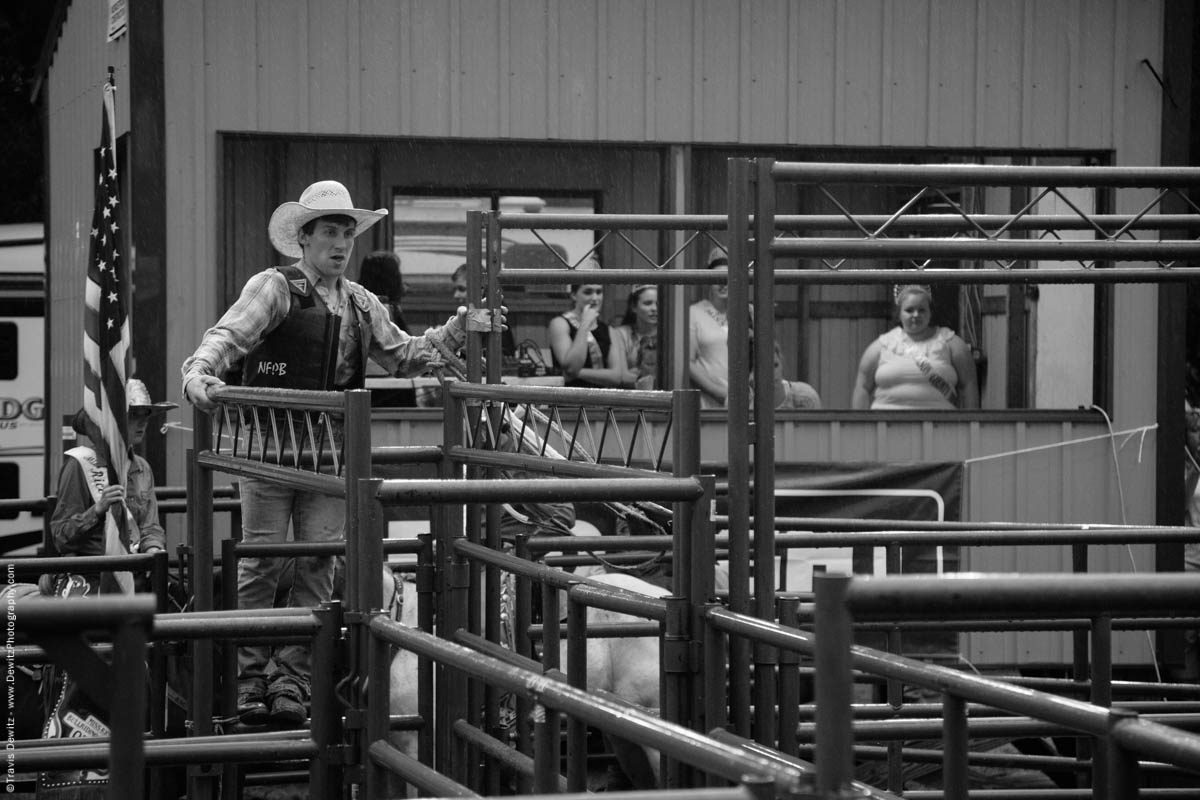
x: 266, y: 300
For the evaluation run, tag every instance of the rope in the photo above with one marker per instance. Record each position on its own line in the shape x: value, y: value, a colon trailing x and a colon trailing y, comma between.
x: 1128, y: 433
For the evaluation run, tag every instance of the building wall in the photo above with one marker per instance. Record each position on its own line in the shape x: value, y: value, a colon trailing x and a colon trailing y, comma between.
x: 74, y: 96
x: 933, y: 74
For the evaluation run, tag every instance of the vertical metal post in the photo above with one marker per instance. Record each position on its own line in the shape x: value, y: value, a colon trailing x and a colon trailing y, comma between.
x: 577, y: 671
x: 426, y: 599
x: 128, y: 713
x: 894, y: 687
x: 689, y: 574
x: 954, y: 747
x: 709, y: 674
x: 158, y: 671
x: 548, y: 721
x: 835, y: 732
x: 546, y: 738
x: 325, y: 772
x: 356, y: 449
x: 454, y: 573
x: 200, y: 544
x: 522, y: 605
x: 789, y: 680
x: 357, y: 459
x: 673, y: 658
x: 374, y: 664
x: 715, y: 673
x: 379, y: 667
x: 763, y: 441
x: 230, y: 789
x: 1123, y: 778
x: 1104, y: 755
x: 685, y: 458
x: 739, y: 432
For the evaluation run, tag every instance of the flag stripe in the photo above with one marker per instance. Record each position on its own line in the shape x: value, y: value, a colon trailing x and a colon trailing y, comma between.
x: 106, y: 341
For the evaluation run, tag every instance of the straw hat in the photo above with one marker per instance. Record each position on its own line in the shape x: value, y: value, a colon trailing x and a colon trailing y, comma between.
x: 717, y: 257
x: 321, y: 199
x: 137, y: 397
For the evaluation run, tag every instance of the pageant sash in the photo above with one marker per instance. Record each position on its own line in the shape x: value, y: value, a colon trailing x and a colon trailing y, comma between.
x: 115, y: 544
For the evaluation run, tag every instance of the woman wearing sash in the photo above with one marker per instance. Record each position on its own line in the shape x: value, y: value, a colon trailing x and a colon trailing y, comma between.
x: 916, y: 365
x: 85, y: 498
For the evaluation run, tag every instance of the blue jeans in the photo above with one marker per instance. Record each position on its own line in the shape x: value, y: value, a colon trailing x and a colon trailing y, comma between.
x: 268, y: 509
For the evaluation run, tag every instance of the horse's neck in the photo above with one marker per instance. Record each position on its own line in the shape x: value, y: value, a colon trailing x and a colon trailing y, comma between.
x: 408, y: 608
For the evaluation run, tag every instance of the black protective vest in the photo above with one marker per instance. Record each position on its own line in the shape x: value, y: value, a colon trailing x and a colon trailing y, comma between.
x: 301, y: 352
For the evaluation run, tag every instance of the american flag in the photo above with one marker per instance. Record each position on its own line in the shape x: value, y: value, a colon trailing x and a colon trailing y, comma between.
x: 106, y: 336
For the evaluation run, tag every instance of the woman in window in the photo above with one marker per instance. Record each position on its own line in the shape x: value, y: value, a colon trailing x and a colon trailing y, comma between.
x: 916, y: 364
x: 637, y: 336
x: 708, y: 339
x: 581, y: 344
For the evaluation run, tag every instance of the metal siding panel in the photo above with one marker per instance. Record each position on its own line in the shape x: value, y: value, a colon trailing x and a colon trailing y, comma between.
x: 719, y: 78
x: 530, y: 69
x: 624, y: 81
x: 480, y: 72
x: 428, y: 43
x: 814, y: 73
x: 907, y: 79
x: 768, y: 73
x: 579, y: 78
x: 953, y: 41
x: 73, y: 95
x: 1002, y: 47
x: 859, y: 76
x: 673, y: 48
x: 1093, y: 100
x: 381, y: 65
x: 329, y: 52
x: 281, y: 74
x: 1137, y: 120
x: 1054, y: 38
x: 231, y: 78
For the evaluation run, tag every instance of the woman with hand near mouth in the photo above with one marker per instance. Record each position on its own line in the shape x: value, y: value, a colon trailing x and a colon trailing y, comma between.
x: 581, y: 344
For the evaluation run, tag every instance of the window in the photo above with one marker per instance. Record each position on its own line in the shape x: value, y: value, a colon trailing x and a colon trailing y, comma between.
x: 431, y: 235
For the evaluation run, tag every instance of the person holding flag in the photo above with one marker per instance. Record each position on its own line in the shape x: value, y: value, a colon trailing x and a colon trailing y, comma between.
x: 85, y: 519
x: 93, y: 489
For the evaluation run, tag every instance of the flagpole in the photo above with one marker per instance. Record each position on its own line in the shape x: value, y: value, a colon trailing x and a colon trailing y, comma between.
x: 107, y: 337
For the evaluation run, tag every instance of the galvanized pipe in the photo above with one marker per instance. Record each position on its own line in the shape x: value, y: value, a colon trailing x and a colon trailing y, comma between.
x: 824, y: 222
x: 964, y: 594
x: 980, y: 727
x: 835, y: 738
x: 986, y: 175
x: 991, y: 250
x: 498, y: 393
x: 634, y: 725
x: 189, y: 750
x: 501, y: 753
x: 293, y: 399
x: 317, y: 483
x: 1144, y: 251
x: 427, y: 780
x: 418, y: 492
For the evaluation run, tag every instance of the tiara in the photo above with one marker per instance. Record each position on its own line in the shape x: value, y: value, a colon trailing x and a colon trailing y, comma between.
x: 901, y: 288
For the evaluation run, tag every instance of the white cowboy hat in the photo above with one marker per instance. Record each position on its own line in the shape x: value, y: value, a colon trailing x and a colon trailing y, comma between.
x: 321, y: 199
x: 137, y: 399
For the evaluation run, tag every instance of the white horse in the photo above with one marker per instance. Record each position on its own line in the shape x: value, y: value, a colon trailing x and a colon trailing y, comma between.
x: 627, y: 667
x: 400, y: 598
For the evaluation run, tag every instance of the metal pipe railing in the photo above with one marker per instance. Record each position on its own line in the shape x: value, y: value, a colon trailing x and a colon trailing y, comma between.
x: 727, y: 762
